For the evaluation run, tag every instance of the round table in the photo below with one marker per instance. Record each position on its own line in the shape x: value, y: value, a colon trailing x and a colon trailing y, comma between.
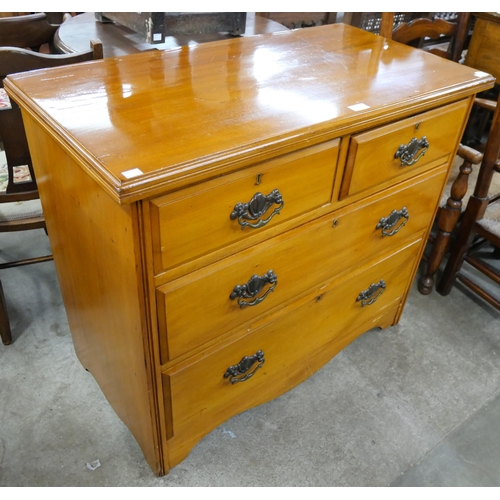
x: 75, y: 34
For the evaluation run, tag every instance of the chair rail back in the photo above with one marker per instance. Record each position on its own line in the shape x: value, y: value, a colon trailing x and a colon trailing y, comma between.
x: 32, y: 31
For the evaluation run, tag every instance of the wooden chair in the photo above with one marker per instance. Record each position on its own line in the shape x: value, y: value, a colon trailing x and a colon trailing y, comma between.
x: 451, y: 210
x: 426, y: 33
x: 379, y: 23
x: 29, y: 31
x: 480, y: 225
x: 20, y: 208
x: 483, y: 55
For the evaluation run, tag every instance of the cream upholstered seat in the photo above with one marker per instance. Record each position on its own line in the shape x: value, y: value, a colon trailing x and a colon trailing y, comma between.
x: 21, y: 210
x: 491, y: 219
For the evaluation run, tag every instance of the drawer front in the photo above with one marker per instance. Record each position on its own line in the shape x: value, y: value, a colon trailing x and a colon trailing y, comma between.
x: 198, y: 307
x: 198, y: 220
x: 200, y: 394
x: 408, y: 146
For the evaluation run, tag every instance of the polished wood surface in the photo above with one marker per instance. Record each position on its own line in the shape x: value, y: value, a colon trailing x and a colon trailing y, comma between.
x: 143, y: 111
x: 146, y: 285
x: 119, y: 40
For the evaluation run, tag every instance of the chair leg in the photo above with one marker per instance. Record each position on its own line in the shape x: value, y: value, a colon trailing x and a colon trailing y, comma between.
x: 439, y: 248
x: 475, y: 210
x: 5, y: 332
x: 447, y: 220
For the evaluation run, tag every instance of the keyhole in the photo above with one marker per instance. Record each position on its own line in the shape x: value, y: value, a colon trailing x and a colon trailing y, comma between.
x: 416, y: 126
x: 258, y: 179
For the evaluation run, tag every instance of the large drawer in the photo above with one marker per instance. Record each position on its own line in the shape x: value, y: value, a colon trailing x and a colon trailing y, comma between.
x: 199, y: 393
x: 197, y: 308
x: 387, y: 153
x: 200, y: 219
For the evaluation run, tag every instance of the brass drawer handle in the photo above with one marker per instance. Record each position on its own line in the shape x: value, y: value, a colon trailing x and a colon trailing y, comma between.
x: 243, y: 366
x: 371, y: 294
x: 386, y: 223
x: 407, y: 152
x: 254, y: 286
x: 256, y: 208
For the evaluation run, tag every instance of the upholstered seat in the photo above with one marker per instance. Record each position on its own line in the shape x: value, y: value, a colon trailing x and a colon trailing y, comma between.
x: 20, y: 210
x: 491, y: 219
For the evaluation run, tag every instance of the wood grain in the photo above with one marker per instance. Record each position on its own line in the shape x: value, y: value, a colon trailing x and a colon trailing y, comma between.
x: 338, y: 246
x: 193, y: 113
x: 195, y: 221
x: 202, y: 398
x: 147, y: 263
x: 486, y: 35
x: 97, y: 256
x: 371, y: 158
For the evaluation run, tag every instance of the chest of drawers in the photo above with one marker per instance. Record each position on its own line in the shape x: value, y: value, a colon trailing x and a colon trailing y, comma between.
x: 227, y: 217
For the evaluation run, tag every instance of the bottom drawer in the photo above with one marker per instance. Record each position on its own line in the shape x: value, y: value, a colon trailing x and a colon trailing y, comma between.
x: 199, y: 394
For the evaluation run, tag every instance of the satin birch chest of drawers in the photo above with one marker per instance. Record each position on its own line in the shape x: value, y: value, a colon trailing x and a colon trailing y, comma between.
x: 227, y: 217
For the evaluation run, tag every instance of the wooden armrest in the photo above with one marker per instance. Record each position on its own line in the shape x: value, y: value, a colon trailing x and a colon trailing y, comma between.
x: 470, y: 154
x: 97, y: 49
x: 486, y: 103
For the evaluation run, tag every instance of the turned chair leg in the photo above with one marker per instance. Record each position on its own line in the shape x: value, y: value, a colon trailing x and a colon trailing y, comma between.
x: 475, y: 209
x: 448, y: 218
x: 5, y: 332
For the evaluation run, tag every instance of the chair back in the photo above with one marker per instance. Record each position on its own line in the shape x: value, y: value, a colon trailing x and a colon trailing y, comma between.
x: 480, y: 225
x: 425, y: 33
x: 27, y: 215
x: 28, y: 31
x: 18, y: 60
x: 377, y: 22
x: 12, y: 133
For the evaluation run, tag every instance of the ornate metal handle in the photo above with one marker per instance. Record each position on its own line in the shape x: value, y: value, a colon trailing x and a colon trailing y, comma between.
x: 256, y: 208
x: 371, y: 294
x: 243, y: 366
x: 386, y: 223
x: 406, y: 153
x: 254, y: 286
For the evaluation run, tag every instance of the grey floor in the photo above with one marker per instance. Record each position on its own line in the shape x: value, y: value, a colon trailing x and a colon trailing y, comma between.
x: 417, y: 404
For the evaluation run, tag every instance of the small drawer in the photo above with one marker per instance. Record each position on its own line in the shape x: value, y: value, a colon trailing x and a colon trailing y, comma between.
x: 198, y: 307
x: 198, y: 220
x: 382, y: 156
x: 203, y: 391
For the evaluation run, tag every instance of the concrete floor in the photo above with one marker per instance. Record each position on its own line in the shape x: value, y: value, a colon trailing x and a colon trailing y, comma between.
x: 417, y: 404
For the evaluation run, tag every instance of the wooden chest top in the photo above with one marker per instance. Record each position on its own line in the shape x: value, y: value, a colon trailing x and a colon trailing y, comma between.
x: 151, y: 122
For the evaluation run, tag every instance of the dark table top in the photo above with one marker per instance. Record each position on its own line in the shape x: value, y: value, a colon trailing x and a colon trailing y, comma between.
x: 75, y: 35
